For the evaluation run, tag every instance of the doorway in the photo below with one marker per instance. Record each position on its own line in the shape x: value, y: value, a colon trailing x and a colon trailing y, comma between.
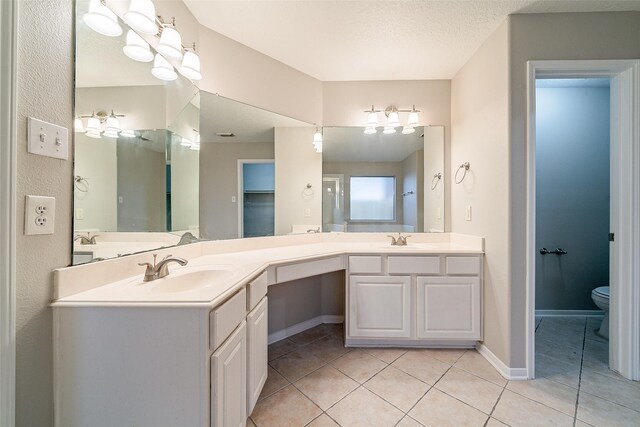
x: 624, y: 264
x: 256, y: 194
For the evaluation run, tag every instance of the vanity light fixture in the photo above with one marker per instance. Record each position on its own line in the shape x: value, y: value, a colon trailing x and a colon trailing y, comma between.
x: 393, y: 120
x: 112, y: 126
x: 317, y: 141
x: 128, y: 133
x: 136, y: 48
x: 94, y: 125
x: 141, y: 16
x: 162, y: 69
x: 170, y: 44
x: 101, y: 19
x: 190, y: 67
x: 93, y: 129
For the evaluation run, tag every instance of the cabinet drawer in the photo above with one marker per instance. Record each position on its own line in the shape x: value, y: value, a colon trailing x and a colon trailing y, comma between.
x: 365, y: 264
x: 414, y: 265
x: 256, y: 289
x: 224, y: 319
x: 463, y: 265
x: 286, y: 273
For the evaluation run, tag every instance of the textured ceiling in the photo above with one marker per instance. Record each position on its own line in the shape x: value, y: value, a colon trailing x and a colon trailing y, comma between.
x: 374, y: 40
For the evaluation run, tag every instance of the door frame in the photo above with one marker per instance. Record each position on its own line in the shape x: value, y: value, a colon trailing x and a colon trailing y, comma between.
x: 624, y: 314
x: 240, y: 196
x: 8, y: 168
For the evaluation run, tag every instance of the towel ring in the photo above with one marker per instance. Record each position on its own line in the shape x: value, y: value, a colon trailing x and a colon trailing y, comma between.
x: 464, y: 167
x: 81, y: 183
x: 436, y: 178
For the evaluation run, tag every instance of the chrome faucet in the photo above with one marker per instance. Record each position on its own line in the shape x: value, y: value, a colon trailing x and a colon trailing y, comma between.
x: 313, y: 230
x: 159, y: 270
x: 400, y: 240
x: 86, y: 240
x: 187, y: 237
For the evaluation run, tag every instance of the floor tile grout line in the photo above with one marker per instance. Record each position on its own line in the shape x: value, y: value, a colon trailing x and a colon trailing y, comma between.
x: 495, y: 405
x: 575, y: 414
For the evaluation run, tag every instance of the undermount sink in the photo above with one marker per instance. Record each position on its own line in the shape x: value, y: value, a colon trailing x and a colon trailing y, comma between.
x: 188, y: 280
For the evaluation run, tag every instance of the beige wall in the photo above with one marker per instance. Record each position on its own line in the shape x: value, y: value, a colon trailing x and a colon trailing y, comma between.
x: 479, y: 101
x: 219, y: 178
x: 434, y: 215
x: 613, y: 35
x: 185, y: 188
x: 45, y: 91
x: 297, y: 164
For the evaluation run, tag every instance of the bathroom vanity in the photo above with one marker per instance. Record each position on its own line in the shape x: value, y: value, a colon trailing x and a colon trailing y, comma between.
x: 191, y: 349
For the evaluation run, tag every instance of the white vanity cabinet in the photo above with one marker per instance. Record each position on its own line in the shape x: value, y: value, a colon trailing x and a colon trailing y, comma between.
x: 414, y: 299
x: 257, y: 359
x: 380, y: 306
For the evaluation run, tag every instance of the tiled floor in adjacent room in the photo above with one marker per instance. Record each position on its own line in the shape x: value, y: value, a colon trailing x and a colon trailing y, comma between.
x: 314, y: 381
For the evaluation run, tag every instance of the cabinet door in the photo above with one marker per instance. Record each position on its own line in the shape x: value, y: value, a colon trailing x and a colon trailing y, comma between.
x: 380, y: 306
x: 449, y: 308
x: 229, y: 381
x: 257, y: 335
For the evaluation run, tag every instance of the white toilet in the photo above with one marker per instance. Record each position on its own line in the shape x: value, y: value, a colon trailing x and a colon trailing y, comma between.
x: 600, y: 297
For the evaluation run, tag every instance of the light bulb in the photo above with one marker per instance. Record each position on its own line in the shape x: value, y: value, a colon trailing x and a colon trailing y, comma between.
x: 102, y: 20
x: 136, y: 48
x: 190, y: 67
x: 170, y: 44
x: 406, y: 130
x: 162, y: 69
x: 142, y: 17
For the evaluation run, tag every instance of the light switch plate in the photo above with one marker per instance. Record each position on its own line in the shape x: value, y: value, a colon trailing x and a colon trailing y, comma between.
x: 46, y: 139
x: 39, y: 215
x: 467, y: 213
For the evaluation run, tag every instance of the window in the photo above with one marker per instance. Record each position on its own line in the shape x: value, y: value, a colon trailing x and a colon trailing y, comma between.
x: 373, y: 198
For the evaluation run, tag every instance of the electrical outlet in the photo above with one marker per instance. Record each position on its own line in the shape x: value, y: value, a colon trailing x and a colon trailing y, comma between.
x: 39, y: 215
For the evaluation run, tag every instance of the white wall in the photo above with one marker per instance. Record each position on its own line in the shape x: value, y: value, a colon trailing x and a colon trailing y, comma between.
x: 96, y: 161
x: 612, y: 35
x: 297, y: 164
x: 479, y: 116
x: 45, y: 91
x: 572, y: 158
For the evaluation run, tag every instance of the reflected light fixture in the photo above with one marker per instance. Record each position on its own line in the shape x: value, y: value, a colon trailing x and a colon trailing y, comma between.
x: 407, y: 130
x: 190, y: 67
x: 93, y: 127
x: 317, y: 141
x: 127, y: 134
x: 112, y: 126
x: 170, y: 44
x: 101, y: 19
x: 369, y: 130
x: 388, y: 130
x: 372, y: 118
x: 414, y: 120
x: 195, y: 147
x: 162, y: 69
x: 393, y: 120
x: 186, y: 143
x: 141, y: 16
x: 136, y: 48
x: 77, y: 125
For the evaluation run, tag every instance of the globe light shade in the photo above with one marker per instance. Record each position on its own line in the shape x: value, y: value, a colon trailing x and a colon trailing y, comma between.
x: 393, y: 120
x: 162, y: 69
x: 370, y: 130
x: 93, y: 126
x: 372, y: 119
x: 102, y: 20
x: 170, y: 44
x: 190, y: 67
x: 141, y: 16
x: 136, y: 48
x: 112, y: 127
x: 407, y: 130
x: 127, y: 134
x: 77, y: 125
x: 317, y: 138
x: 389, y: 130
x: 414, y: 120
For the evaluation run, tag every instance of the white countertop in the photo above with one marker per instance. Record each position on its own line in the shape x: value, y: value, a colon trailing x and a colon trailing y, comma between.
x: 243, y: 259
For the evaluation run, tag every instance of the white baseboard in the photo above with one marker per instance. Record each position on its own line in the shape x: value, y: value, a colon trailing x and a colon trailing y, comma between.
x: 569, y: 313
x: 303, y: 326
x: 504, y: 370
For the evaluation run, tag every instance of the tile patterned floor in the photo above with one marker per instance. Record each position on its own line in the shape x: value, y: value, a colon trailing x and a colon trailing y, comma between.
x: 315, y: 381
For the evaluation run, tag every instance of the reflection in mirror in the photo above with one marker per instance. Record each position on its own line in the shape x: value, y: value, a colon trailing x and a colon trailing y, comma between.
x: 136, y: 159
x: 256, y: 165
x: 382, y: 183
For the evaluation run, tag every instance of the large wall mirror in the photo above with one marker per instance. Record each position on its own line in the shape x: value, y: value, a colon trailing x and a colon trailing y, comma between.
x: 383, y: 183
x: 136, y: 175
